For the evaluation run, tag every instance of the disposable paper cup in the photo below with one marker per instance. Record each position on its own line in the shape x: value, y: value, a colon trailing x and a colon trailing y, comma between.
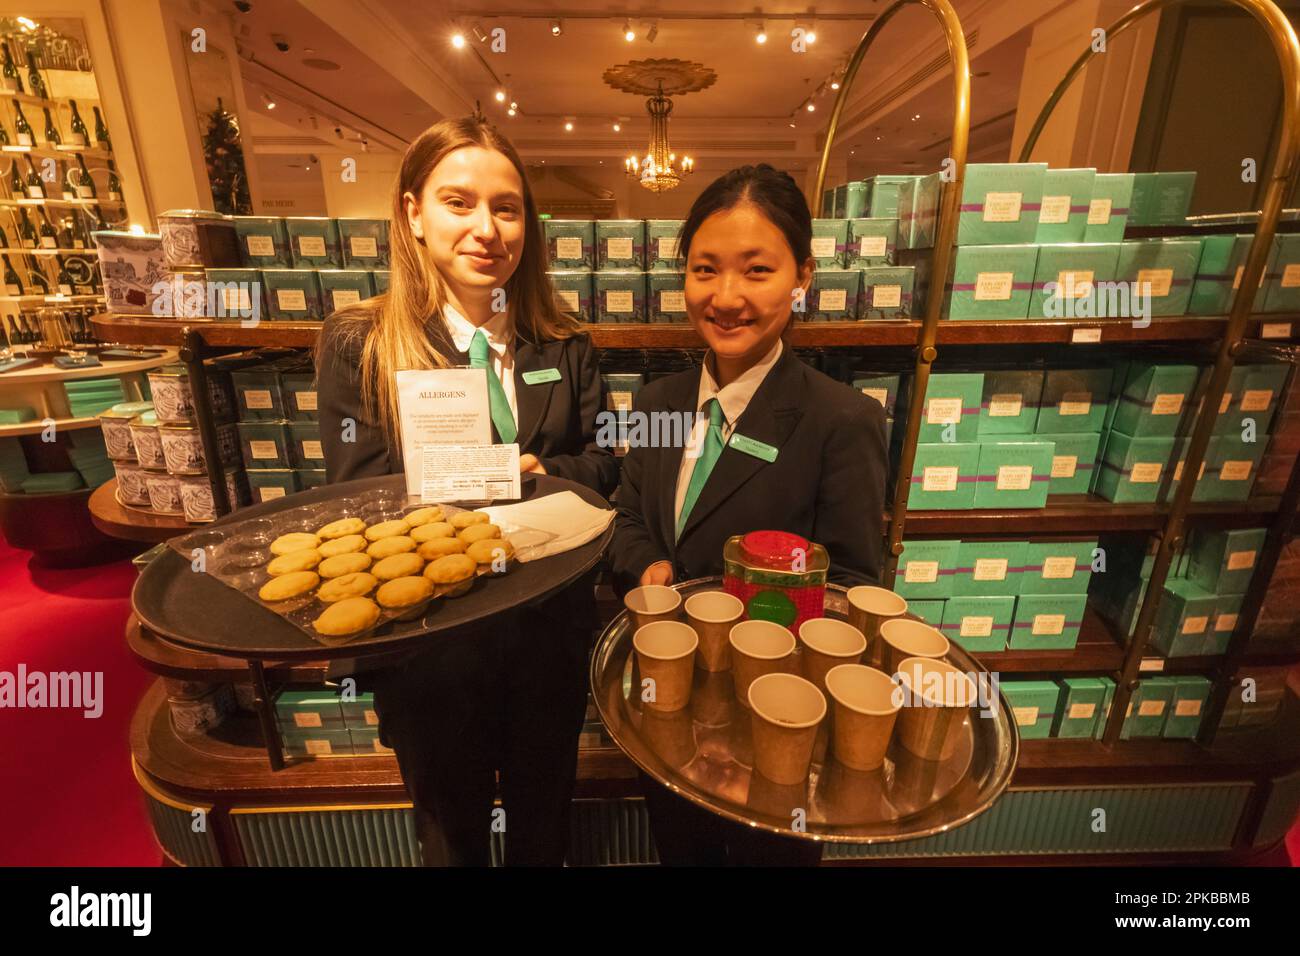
x: 712, y: 614
x: 935, y: 698
x: 903, y: 638
x: 786, y: 713
x: 651, y: 603
x: 666, y: 652
x: 869, y: 607
x: 828, y: 643
x: 866, y: 709
x: 757, y: 648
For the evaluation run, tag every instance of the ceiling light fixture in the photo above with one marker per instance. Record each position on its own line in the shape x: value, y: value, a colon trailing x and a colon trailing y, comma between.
x: 568, y: 127
x: 811, y: 107
x: 628, y: 35
x: 760, y: 34
x: 557, y: 27
x: 514, y: 105
x: 266, y: 98
x: 479, y: 34
x: 618, y: 128
x: 653, y: 32
x: 458, y: 40
x: 511, y: 111
x: 501, y: 96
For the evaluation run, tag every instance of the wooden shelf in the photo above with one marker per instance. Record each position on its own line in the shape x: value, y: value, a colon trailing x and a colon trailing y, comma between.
x: 52, y: 373
x: 1085, y: 513
x: 38, y: 425
x: 52, y: 299
x: 118, y: 521
x: 45, y: 149
x: 161, y: 657
x: 82, y: 203
x: 146, y: 330
x: 1097, y: 652
x: 20, y: 251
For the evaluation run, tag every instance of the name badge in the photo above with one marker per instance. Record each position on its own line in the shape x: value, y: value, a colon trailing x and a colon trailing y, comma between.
x: 541, y: 376
x: 751, y: 447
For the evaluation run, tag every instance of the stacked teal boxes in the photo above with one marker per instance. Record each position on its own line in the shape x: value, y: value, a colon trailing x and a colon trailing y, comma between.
x: 1218, y: 274
x: 1282, y: 285
x: 871, y: 242
x: 886, y: 292
x: 620, y: 245
x: 1161, y: 199
x: 830, y: 239
x: 1108, y: 211
x: 833, y: 296
x: 1033, y: 706
x: 1163, y: 269
x: 918, y: 211
x: 666, y: 296
x: 1063, y: 211
x: 570, y: 243
x: 314, y: 242
x: 1079, y: 713
x: 572, y: 288
x: 1067, y: 279
x: 991, y: 282
x: 1000, y: 203
x: 661, y: 245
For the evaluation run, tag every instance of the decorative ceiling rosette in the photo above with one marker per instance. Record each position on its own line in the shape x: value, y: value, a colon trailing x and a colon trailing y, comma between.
x: 671, y: 77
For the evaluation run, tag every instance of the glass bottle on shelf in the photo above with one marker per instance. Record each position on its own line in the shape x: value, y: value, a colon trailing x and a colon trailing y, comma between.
x: 52, y: 135
x: 10, y: 80
x: 65, y: 278
x: 85, y: 182
x: 65, y: 181
x: 34, y: 81
x: 80, y: 240
x: 78, y: 135
x: 65, y: 231
x: 83, y: 279
x: 13, y: 284
x: 17, y: 187
x: 101, y: 131
x: 114, y: 184
x: 14, y: 335
x: 4, y: 134
x: 38, y: 278
x: 22, y: 129
x: 26, y: 231
x: 49, y: 237
x: 4, y: 238
x: 35, y: 187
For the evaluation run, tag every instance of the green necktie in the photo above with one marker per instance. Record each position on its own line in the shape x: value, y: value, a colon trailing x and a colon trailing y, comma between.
x: 709, y: 456
x: 501, y: 416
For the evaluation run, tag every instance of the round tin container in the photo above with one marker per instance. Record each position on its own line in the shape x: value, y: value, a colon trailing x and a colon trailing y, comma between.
x: 148, y: 445
x: 197, y: 238
x: 182, y: 447
x: 131, y: 487
x: 164, y: 493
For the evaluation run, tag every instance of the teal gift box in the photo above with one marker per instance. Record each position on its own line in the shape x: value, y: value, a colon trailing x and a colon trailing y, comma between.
x: 1218, y: 274
x: 1227, y: 472
x: 855, y: 200
x: 1227, y: 609
x: 341, y: 288
x: 885, y: 292
x: 293, y: 295
x: 979, y: 624
x: 1251, y: 397
x: 317, y: 743
x: 989, y: 568
x: 1164, y: 269
x: 620, y: 245
x: 1282, y: 285
x: 1079, y: 711
x: 380, y: 279
x: 1057, y: 567
x: 1047, y: 621
x: 364, y: 243
x: 833, y: 296
x: 1131, y: 469
x: 619, y: 296
x: 1063, y: 211
x: 268, y: 484
x: 944, y: 476
x: 1148, y: 708
x: 305, y: 445
x: 1184, y: 620
x: 918, y: 211
x: 882, y: 197
x: 839, y: 200
x: 1066, y: 279
x: 1161, y: 199
x: 1074, y: 462
x: 314, y: 242
x: 830, y: 241
x: 1033, y: 706
x: 299, y: 395
x: 1223, y: 561
x: 1191, y: 693
x: 308, y: 709
x: 991, y: 282
x: 263, y: 241
x: 359, y: 713
x: 572, y: 288
x: 1009, y: 404
x: 952, y: 400
x: 1013, y: 474
x: 265, y: 444
x: 1000, y: 203
x: 666, y: 296
x: 926, y: 569
x: 1109, y: 208
x: 882, y: 386
x: 828, y: 203
x: 238, y: 293
x: 929, y: 611
x: 1155, y: 400
x: 661, y: 250
x: 1073, y: 400
x: 365, y: 742
x: 872, y: 242
x: 1107, y: 699
x: 570, y: 243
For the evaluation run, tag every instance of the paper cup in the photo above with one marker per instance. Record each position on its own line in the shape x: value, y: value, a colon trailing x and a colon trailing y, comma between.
x: 651, y: 603
x: 869, y: 607
x: 757, y: 648
x: 712, y: 614
x: 865, y: 713
x: 828, y: 643
x: 786, y: 713
x: 935, y: 698
x: 903, y: 638
x: 665, y: 651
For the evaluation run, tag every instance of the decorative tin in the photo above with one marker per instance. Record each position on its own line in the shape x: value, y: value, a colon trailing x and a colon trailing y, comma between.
x: 131, y: 487
x: 182, y: 447
x: 197, y: 498
x: 174, y: 402
x: 194, y: 717
x: 116, y: 427
x: 164, y: 493
x: 148, y: 445
x: 131, y: 265
x: 778, y: 576
x: 198, y: 238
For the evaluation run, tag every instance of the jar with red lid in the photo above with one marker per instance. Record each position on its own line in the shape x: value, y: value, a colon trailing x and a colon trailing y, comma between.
x: 777, y: 575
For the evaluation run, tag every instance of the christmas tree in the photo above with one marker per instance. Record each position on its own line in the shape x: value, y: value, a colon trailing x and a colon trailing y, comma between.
x: 225, y: 159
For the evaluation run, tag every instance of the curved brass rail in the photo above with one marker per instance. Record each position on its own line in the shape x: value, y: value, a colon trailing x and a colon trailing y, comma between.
x: 1285, y: 45
x: 945, y: 230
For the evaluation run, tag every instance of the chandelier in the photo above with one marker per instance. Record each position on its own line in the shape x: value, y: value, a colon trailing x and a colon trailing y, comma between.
x: 657, y: 170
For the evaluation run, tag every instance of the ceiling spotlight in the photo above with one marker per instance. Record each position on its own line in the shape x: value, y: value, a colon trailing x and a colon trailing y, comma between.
x: 628, y: 35
x: 556, y: 28
x: 916, y: 117
x: 792, y: 125
x: 812, y: 107
x: 653, y: 32
x: 511, y: 111
x: 760, y: 34
x: 501, y: 96
x: 479, y: 34
x: 618, y: 128
x: 568, y: 127
x: 458, y: 40
x: 810, y: 33
x: 270, y: 103
x: 835, y: 84
x: 514, y: 105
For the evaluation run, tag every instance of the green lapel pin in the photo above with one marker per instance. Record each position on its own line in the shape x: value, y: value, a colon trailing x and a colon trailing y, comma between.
x: 753, y: 447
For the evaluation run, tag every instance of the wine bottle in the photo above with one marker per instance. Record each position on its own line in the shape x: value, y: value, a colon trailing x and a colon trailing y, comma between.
x: 69, y: 191
x: 114, y: 184
x: 34, y: 81
x: 80, y: 240
x: 4, y: 238
x: 35, y: 187
x: 85, y: 182
x: 37, y: 277
x: 4, y: 135
x: 17, y: 187
x: 65, y: 232
x: 22, y: 129
x: 85, y: 286
x: 49, y: 237
x: 65, y: 278
x: 10, y: 81
x: 101, y: 131
x: 78, y: 135
x: 26, y: 231
x: 13, y: 284
x: 52, y: 135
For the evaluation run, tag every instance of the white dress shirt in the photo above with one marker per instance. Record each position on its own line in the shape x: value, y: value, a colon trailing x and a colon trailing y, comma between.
x: 734, y: 399
x: 500, y: 334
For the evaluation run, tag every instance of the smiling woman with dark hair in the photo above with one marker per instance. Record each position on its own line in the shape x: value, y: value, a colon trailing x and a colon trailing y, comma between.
x: 780, y: 446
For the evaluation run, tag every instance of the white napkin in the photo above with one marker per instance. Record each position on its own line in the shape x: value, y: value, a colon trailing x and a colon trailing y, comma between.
x: 564, y: 519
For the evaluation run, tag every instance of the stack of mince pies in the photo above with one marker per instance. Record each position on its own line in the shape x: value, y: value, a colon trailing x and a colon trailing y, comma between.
x: 364, y: 573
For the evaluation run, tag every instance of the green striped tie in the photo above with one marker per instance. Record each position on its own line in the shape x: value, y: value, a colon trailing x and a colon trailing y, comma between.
x: 709, y: 456
x: 497, y: 402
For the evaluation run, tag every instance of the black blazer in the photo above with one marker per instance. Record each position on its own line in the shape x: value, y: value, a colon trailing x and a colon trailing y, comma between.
x: 826, y: 484
x: 557, y: 420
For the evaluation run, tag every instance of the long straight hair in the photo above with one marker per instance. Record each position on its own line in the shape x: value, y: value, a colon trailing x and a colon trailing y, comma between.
x: 404, y: 328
